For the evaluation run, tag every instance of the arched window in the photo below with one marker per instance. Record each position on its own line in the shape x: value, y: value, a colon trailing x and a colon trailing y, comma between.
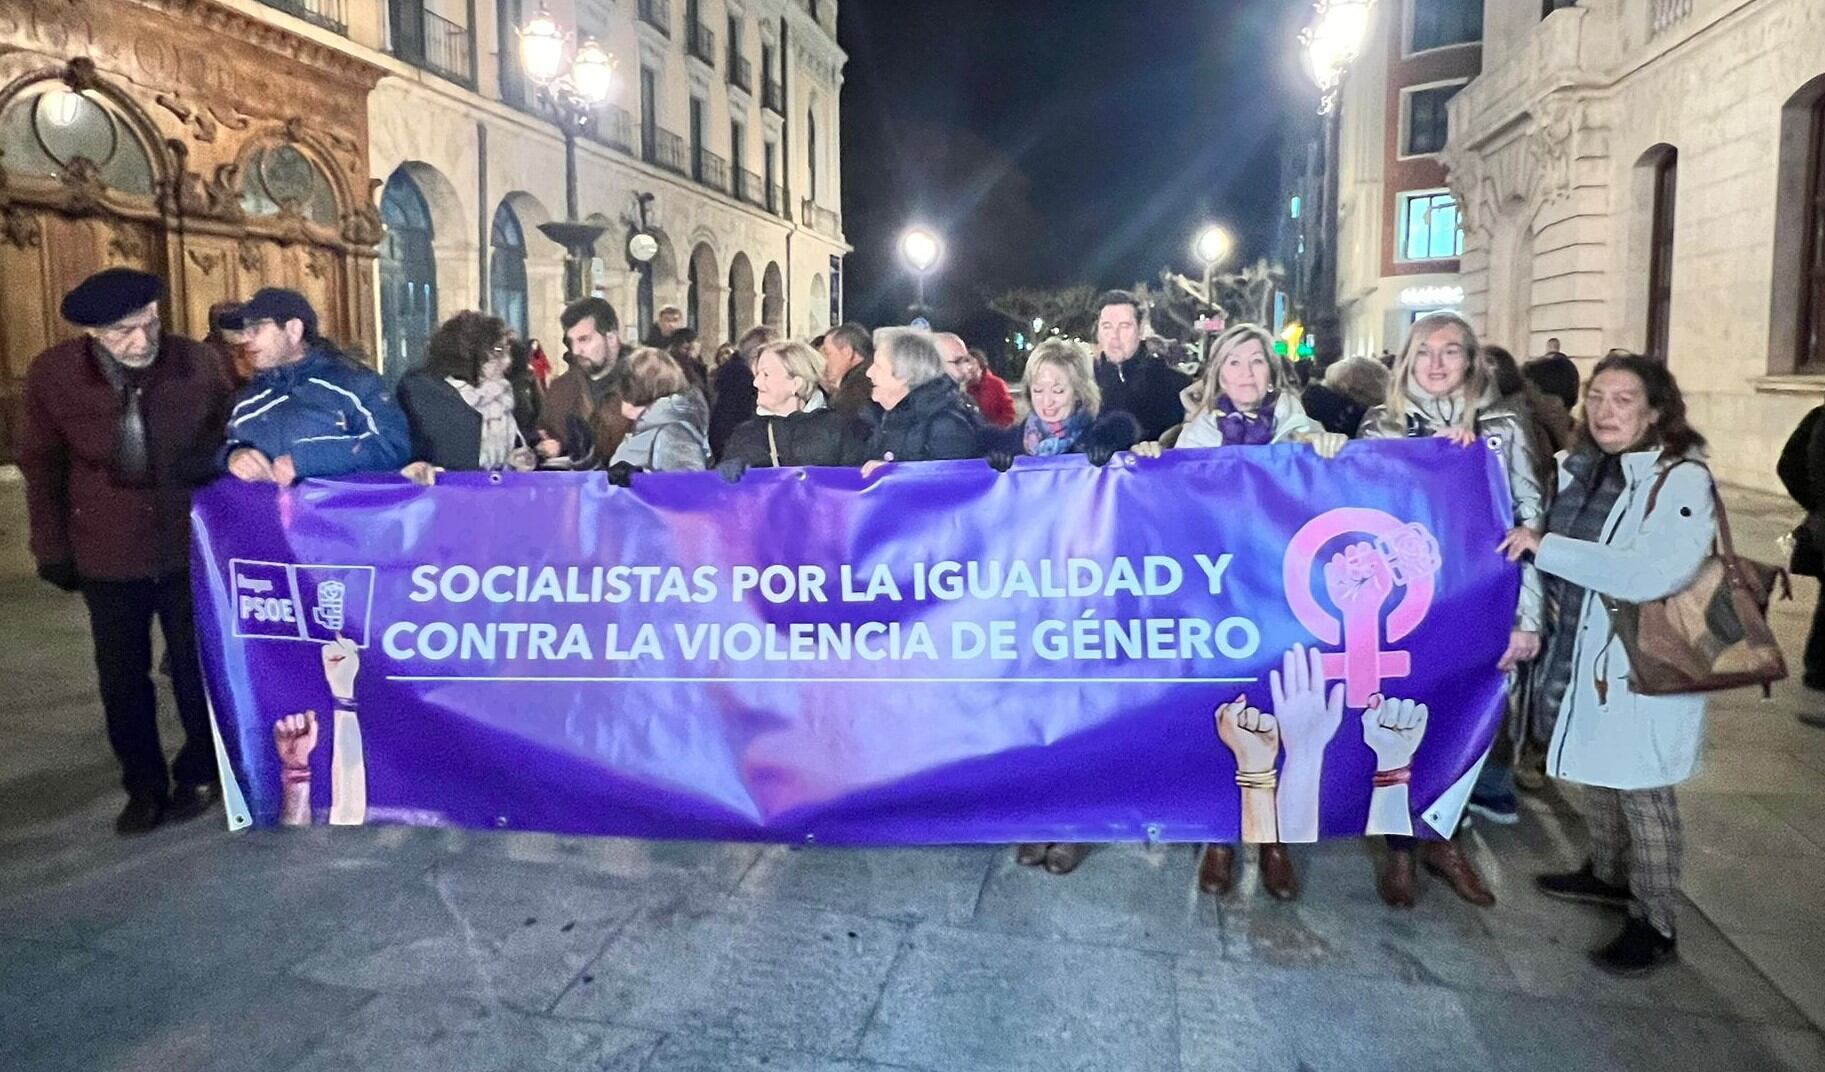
x: 1660, y: 253
x: 278, y: 174
x: 408, y: 275
x: 507, y: 270
x: 44, y: 132
x: 811, y: 151
x: 692, y: 287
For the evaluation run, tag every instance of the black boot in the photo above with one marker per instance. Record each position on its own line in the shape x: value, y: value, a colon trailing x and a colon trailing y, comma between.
x: 142, y: 813
x: 1583, y: 885
x: 1637, y: 950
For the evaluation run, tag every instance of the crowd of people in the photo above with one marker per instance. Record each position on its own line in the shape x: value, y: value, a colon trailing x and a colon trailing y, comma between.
x: 1612, y: 503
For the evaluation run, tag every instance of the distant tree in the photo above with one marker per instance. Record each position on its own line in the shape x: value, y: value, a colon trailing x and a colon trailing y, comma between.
x: 1061, y: 311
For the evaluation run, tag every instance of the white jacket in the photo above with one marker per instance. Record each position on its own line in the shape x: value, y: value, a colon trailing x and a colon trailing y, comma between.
x: 1290, y: 421
x: 1630, y: 741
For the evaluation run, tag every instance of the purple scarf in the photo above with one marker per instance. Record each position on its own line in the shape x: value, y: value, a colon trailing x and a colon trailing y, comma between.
x: 1246, y: 429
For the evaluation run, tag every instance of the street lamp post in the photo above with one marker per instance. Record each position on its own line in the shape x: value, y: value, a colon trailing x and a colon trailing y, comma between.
x: 573, y: 94
x: 1332, y: 43
x: 921, y: 249
x: 1212, y: 247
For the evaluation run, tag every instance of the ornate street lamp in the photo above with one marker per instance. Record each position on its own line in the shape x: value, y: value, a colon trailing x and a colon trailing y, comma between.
x: 1333, y: 41
x: 573, y: 94
x: 921, y: 249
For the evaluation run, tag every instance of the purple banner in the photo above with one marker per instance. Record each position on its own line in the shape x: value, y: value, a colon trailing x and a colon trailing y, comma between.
x: 1216, y: 644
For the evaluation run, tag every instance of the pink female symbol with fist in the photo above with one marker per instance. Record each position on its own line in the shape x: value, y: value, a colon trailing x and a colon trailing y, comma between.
x: 1359, y: 580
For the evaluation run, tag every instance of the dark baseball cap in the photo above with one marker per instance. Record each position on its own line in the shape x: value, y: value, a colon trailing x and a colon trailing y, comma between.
x: 275, y: 304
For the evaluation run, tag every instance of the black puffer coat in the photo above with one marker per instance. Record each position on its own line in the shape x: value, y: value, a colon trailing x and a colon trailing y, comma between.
x: 930, y: 424
x: 818, y: 437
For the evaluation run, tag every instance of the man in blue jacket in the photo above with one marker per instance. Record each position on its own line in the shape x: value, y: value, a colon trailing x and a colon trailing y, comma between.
x: 308, y: 411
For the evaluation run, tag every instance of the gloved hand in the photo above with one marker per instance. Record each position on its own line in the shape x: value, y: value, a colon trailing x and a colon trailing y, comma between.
x: 732, y: 469
x: 1000, y: 460
x: 61, y: 574
x: 1099, y: 454
x: 621, y: 475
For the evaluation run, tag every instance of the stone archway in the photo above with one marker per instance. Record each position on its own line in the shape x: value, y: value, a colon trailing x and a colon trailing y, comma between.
x: 703, y: 294
x: 773, y: 297
x: 741, y: 297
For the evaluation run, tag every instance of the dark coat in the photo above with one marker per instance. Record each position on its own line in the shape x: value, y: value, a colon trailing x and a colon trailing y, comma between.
x: 735, y: 399
x: 1113, y: 432
x: 930, y: 424
x: 820, y: 437
x: 591, y: 433
x: 1146, y: 388
x: 445, y: 431
x: 79, y: 513
x: 854, y: 397
x: 1809, y: 538
x: 330, y: 415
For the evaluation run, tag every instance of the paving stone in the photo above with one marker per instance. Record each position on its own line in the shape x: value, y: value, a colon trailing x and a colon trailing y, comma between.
x: 1528, y: 1034
x: 939, y: 884
x: 965, y: 1000
x: 1121, y: 895
x: 104, y: 1012
x: 696, y: 1053
x: 505, y: 934
x: 405, y: 1033
x: 774, y: 975
x: 1235, y: 1016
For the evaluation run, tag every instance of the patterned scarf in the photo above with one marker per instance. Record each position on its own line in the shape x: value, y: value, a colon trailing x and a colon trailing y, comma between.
x: 1042, y: 438
x: 493, y: 399
x: 1578, y: 513
x: 1247, y: 429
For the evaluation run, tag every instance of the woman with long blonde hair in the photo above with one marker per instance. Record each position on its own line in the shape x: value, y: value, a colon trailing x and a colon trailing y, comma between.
x: 1443, y: 386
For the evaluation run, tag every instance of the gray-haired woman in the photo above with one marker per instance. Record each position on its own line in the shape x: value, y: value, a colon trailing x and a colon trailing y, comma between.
x: 1442, y: 386
x: 925, y: 419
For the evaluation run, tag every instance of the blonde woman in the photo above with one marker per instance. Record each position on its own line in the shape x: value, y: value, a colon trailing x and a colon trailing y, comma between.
x: 1247, y: 397
x: 793, y: 423
x: 1443, y: 386
x: 1064, y: 411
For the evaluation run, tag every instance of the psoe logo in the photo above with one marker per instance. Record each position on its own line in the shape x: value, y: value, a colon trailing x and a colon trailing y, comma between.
x: 287, y: 601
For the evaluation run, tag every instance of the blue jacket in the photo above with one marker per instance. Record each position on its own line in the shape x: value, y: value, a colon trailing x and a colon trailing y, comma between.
x: 331, y: 415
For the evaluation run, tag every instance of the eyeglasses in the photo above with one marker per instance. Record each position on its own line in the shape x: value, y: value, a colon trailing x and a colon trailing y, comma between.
x: 500, y: 349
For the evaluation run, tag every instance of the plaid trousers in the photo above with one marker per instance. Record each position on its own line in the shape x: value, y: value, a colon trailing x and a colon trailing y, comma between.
x: 1635, y: 838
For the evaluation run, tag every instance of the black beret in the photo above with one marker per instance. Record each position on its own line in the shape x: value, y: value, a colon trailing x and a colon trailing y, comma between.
x: 109, y: 295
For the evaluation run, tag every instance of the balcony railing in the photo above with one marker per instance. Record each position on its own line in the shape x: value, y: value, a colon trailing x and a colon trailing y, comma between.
x: 614, y: 127
x: 710, y: 169
x: 750, y: 187
x: 446, y: 49
x: 700, y: 43
x: 773, y: 98
x: 820, y: 219
x: 1663, y: 15
x: 657, y: 14
x: 741, y: 72
x: 664, y: 149
x: 325, y: 13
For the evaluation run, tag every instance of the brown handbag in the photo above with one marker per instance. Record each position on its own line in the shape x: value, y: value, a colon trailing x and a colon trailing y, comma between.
x: 1713, y: 634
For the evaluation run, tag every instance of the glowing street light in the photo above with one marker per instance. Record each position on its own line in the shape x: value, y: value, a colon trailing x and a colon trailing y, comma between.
x: 574, y: 95
x: 1333, y: 41
x: 921, y: 249
x: 1212, y: 246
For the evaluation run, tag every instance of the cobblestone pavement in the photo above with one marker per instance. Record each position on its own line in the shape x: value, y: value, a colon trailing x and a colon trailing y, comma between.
x: 402, y: 949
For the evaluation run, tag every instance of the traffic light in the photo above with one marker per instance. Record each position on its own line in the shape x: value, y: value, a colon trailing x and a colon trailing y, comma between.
x: 1305, y: 349
x: 1280, y: 347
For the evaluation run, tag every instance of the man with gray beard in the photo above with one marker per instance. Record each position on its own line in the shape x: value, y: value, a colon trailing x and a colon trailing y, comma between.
x: 120, y: 425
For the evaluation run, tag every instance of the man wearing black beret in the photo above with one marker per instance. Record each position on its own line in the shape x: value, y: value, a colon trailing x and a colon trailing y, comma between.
x: 120, y: 425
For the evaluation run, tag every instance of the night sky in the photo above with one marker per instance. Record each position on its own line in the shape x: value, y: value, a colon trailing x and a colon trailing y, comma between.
x: 1057, y: 141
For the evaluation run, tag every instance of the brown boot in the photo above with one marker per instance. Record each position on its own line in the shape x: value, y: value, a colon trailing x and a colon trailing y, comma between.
x: 1216, y: 871
x: 1030, y: 853
x: 1395, y: 884
x: 1063, y: 858
x: 1277, y: 875
x: 1444, y: 860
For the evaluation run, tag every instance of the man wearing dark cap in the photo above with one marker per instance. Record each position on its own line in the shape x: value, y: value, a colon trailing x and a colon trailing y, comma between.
x: 120, y: 425
x: 308, y: 411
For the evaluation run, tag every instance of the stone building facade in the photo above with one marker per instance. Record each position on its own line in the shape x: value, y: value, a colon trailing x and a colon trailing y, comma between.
x: 390, y: 159
x: 1398, y: 240
x: 1650, y: 175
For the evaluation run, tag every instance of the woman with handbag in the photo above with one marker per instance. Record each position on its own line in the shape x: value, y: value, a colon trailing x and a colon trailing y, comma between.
x: 1634, y: 522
